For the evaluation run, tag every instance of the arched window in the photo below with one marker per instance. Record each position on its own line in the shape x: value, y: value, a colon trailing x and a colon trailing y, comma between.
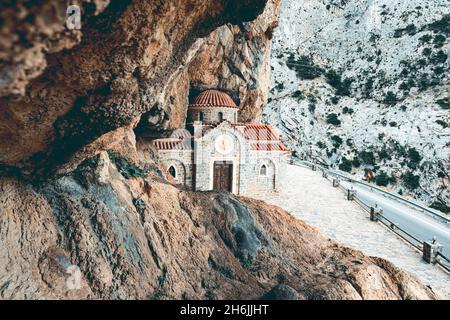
x: 201, y: 116
x: 263, y: 170
x: 220, y: 116
x: 172, y: 171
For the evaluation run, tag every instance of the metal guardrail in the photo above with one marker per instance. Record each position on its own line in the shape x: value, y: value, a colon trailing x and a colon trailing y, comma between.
x: 418, y: 244
x: 445, y: 265
x: 409, y: 202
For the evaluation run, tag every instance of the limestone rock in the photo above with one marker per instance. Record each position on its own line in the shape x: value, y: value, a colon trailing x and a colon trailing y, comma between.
x: 282, y: 292
x: 117, y: 67
x: 130, y: 240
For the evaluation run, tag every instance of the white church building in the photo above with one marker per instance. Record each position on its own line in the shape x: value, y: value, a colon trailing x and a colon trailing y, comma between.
x: 215, y: 152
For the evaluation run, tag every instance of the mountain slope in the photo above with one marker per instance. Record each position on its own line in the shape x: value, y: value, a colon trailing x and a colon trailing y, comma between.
x: 364, y: 85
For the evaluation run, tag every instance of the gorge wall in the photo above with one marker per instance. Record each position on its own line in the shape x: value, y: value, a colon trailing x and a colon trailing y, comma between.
x: 85, y: 211
x: 365, y: 85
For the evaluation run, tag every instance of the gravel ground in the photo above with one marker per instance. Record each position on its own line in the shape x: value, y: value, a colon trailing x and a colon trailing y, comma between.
x: 311, y: 198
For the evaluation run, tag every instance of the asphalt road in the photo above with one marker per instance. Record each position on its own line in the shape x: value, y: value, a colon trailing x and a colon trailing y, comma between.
x: 415, y: 222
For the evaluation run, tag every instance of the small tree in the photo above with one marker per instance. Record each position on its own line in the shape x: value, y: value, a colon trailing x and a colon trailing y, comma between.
x: 367, y: 157
x: 346, y: 165
x: 410, y: 180
x: 337, y: 141
x: 390, y: 98
x: 382, y: 179
x: 304, y: 67
x: 332, y: 118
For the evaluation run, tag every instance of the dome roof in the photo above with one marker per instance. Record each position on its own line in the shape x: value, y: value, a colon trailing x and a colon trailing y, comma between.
x: 213, y: 98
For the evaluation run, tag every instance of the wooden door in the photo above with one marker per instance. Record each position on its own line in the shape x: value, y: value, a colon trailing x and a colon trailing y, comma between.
x: 223, y: 176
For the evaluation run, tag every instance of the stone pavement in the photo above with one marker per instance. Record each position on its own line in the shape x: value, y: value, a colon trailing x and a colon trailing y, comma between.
x: 311, y: 198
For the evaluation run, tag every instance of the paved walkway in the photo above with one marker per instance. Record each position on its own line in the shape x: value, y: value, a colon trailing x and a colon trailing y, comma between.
x: 311, y: 198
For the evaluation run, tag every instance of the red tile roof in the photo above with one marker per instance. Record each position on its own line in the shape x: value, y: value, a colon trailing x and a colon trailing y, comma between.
x: 170, y: 144
x: 260, y: 132
x: 269, y: 147
x: 262, y: 138
x: 213, y: 98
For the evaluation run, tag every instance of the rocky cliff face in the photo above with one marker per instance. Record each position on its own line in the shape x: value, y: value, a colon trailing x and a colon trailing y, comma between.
x: 365, y: 85
x: 125, y: 234
x: 84, y: 210
x: 62, y: 89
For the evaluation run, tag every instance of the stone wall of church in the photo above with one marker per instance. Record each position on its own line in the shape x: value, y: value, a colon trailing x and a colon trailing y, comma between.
x: 212, y: 114
x: 182, y: 161
x: 205, y: 155
x: 254, y: 181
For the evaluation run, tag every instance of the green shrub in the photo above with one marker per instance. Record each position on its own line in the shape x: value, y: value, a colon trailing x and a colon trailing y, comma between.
x: 349, y: 143
x: 345, y: 165
x: 444, y: 103
x: 332, y: 118
x: 383, y: 154
x: 414, y: 155
x: 298, y: 95
x: 440, y: 206
x: 442, y: 123
x: 335, y: 100
x: 356, y: 163
x: 126, y: 168
x: 441, y: 26
x: 390, y: 98
x: 368, y: 87
x: 347, y: 110
x: 304, y: 67
x: 439, y: 58
x: 426, y: 38
x: 407, y: 85
x: 342, y: 86
x: 426, y: 52
x: 410, y: 181
x: 279, y: 86
x: 410, y: 30
x: 367, y: 157
x: 382, y: 179
x: 321, y: 145
x: 439, y: 40
x: 337, y: 141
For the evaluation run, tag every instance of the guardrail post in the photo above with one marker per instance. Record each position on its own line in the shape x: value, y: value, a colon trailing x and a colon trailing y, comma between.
x: 336, y: 182
x: 351, y: 194
x: 325, y: 174
x: 314, y: 167
x: 373, y: 214
x: 430, y: 251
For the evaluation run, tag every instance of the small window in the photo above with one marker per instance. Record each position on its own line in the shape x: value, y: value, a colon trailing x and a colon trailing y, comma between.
x: 172, y: 171
x: 201, y: 116
x: 263, y: 170
x: 220, y: 116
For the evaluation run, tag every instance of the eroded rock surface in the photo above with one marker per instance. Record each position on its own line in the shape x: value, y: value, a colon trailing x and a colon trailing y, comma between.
x: 139, y: 237
x: 103, y: 221
x: 63, y: 89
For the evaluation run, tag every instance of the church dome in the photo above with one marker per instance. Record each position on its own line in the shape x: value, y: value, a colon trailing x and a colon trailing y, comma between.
x: 213, y: 98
